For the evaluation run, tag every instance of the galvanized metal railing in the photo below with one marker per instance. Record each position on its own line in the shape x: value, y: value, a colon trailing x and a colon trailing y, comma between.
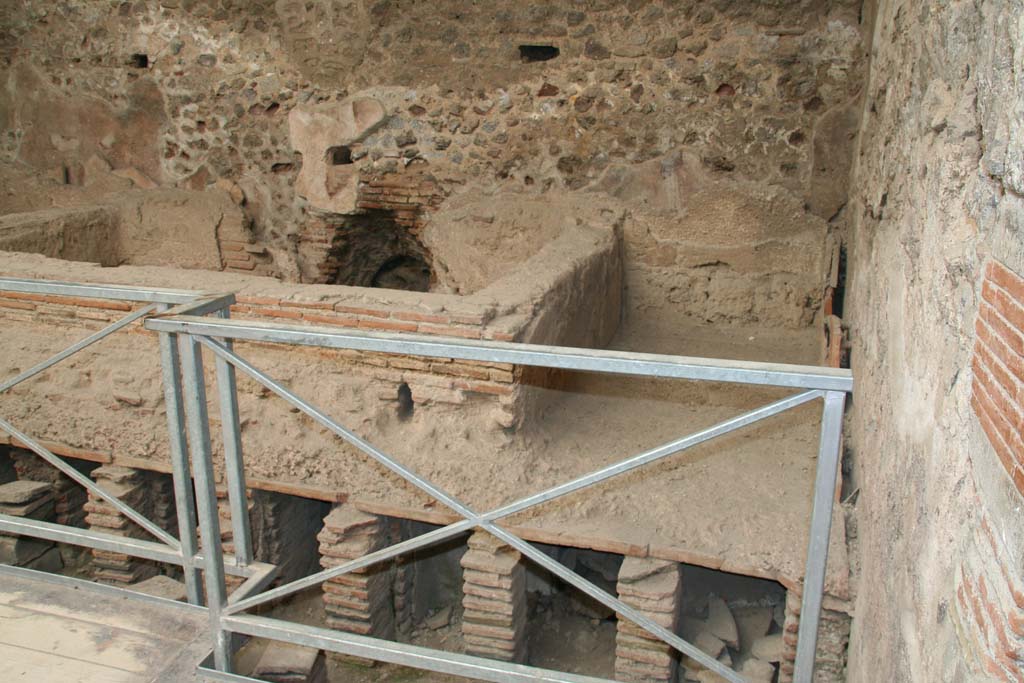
x: 176, y: 551
x: 216, y: 335
x: 184, y: 332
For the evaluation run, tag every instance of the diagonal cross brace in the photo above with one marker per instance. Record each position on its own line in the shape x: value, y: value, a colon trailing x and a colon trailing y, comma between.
x: 89, y: 484
x: 474, y: 520
x: 76, y: 347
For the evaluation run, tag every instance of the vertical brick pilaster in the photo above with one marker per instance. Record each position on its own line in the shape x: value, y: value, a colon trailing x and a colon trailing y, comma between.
x: 654, y: 588
x: 361, y: 601
x: 833, y: 639
x: 129, y: 486
x: 494, y: 599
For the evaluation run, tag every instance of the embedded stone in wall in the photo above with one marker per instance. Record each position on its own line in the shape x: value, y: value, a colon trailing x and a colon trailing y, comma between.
x: 322, y: 134
x: 360, y: 601
x: 494, y: 600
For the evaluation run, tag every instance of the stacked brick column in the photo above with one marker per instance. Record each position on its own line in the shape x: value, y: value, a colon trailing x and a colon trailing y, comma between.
x: 284, y: 532
x: 494, y: 600
x: 652, y: 587
x: 361, y: 601
x: 69, y: 497
x: 833, y: 638
x: 28, y: 500
x: 131, y: 487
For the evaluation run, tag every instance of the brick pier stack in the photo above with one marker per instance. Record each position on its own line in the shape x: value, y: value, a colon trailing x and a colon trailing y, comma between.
x: 361, y: 601
x: 833, y: 638
x: 494, y: 599
x: 652, y: 587
x: 130, y: 486
x: 69, y: 497
x: 28, y: 500
x: 284, y: 532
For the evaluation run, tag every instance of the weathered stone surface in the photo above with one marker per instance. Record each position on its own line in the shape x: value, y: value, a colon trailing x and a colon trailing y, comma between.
x: 315, y: 131
x: 21, y: 492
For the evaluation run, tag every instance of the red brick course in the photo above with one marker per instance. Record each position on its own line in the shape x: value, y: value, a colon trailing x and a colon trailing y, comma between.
x: 998, y: 365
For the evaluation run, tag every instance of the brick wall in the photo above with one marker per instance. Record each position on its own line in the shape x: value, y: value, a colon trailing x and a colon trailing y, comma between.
x: 405, y: 197
x: 998, y: 364
x: 989, y: 606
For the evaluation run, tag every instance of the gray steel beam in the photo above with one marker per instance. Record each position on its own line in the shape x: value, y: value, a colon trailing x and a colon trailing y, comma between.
x: 589, y: 360
x: 821, y: 526
x: 114, y: 292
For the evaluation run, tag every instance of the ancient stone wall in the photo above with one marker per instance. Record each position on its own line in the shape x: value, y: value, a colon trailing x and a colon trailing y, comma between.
x: 569, y: 95
x: 940, y: 195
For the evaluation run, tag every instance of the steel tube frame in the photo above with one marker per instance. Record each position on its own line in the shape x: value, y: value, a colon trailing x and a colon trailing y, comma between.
x: 182, y: 333
x: 234, y: 469
x: 475, y: 520
x: 184, y: 499
x: 589, y: 360
x: 821, y: 528
x: 198, y: 423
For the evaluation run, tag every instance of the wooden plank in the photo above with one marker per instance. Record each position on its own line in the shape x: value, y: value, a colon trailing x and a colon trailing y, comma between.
x: 43, y: 667
x: 60, y: 449
x: 80, y: 640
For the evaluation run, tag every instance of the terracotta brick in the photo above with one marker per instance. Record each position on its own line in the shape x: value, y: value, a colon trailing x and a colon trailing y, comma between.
x: 314, y: 305
x: 1006, y: 279
x: 278, y: 313
x: 995, y: 438
x: 1000, y: 411
x: 995, y: 346
x: 389, y: 325
x: 1008, y: 405
x: 339, y: 320
x: 420, y: 317
x: 239, y: 265
x: 465, y: 333
x: 1004, y: 304
x: 356, y: 310
x: 18, y: 305
x: 1010, y: 336
x: 258, y: 300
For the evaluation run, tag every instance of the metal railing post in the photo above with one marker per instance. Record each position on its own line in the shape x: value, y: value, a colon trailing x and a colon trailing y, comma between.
x: 206, y: 495
x: 184, y: 500
x: 234, y: 467
x: 821, y: 528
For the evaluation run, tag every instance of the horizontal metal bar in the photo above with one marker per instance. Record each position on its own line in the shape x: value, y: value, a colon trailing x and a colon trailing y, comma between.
x: 89, y: 484
x: 439, y: 535
x: 203, y: 304
x: 76, y: 347
x: 114, y: 292
x: 58, y: 533
x: 589, y: 360
x: 92, y: 587
x: 399, y: 653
